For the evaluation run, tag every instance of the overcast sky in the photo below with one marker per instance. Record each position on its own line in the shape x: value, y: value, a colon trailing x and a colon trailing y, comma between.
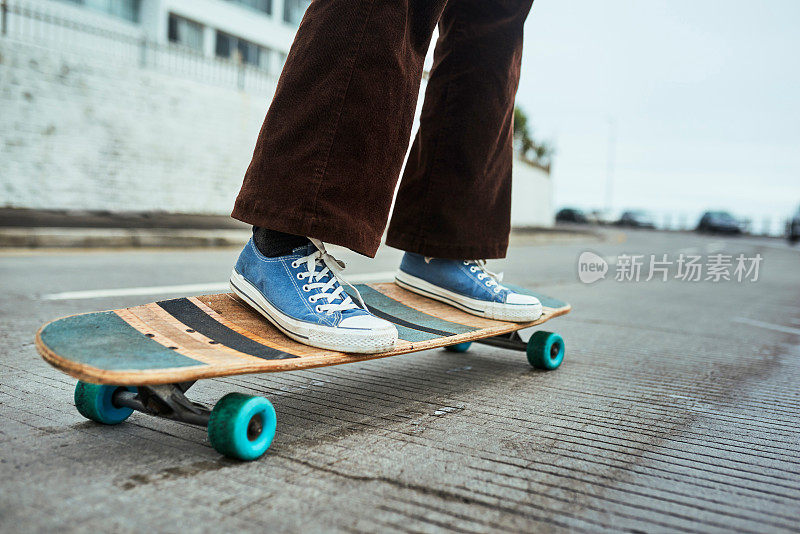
x: 704, y: 96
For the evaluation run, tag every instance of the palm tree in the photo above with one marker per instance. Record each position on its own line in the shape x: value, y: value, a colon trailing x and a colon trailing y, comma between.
x: 539, y: 153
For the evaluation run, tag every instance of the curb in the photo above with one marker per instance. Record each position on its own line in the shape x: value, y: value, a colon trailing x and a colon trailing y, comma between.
x: 119, y: 238
x: 79, y: 237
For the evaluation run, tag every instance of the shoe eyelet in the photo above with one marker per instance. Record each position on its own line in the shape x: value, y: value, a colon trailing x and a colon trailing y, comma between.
x: 300, y: 276
x: 306, y: 288
x: 317, y: 309
x: 488, y: 283
x: 294, y: 265
x: 497, y: 290
x: 473, y: 269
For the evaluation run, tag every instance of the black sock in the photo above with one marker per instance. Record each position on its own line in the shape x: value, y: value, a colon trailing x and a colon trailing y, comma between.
x: 273, y: 244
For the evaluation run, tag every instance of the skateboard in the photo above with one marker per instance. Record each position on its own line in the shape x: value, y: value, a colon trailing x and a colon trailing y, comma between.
x: 145, y: 358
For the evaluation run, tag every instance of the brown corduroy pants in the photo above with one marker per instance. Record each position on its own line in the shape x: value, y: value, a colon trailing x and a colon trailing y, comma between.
x: 332, y: 145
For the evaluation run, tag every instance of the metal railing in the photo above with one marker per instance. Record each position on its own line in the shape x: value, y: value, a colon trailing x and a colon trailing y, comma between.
x: 23, y: 22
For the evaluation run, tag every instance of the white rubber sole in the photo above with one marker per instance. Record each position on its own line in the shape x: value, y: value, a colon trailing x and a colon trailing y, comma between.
x: 357, y: 340
x: 516, y: 313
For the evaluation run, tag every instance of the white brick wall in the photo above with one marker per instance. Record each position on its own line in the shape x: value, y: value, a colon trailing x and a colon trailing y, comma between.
x: 531, y: 196
x: 97, y: 132
x: 78, y: 132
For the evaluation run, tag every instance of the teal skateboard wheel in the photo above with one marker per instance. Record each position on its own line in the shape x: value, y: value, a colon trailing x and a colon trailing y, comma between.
x: 242, y: 426
x: 545, y: 350
x: 459, y: 347
x: 95, y: 402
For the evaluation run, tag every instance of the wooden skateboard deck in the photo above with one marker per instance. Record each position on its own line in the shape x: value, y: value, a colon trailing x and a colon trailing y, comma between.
x: 145, y: 358
x: 186, y: 339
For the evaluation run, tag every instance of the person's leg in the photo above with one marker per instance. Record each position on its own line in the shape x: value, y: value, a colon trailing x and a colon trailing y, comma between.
x: 454, y: 202
x: 329, y: 153
x: 326, y: 163
x: 454, y: 199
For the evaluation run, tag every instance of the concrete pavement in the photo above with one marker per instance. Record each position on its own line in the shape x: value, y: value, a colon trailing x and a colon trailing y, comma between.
x: 676, y: 408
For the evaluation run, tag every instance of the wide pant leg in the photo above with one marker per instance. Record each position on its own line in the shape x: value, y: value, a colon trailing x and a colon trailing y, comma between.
x: 454, y: 199
x: 332, y: 145
x: 330, y: 150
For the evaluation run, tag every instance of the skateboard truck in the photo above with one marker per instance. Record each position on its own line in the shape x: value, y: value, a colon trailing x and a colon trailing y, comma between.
x: 545, y: 350
x: 239, y: 426
x: 512, y: 341
x: 164, y: 400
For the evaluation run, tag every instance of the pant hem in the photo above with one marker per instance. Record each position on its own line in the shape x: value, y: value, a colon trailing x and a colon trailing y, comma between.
x: 449, y: 251
x: 339, y: 233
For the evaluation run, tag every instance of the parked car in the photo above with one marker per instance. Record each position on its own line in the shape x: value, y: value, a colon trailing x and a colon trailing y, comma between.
x: 719, y: 222
x: 571, y: 215
x: 793, y: 227
x: 597, y: 217
x: 636, y: 219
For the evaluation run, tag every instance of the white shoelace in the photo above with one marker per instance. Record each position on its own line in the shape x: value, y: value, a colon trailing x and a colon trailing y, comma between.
x: 330, y: 267
x: 494, y: 279
x: 479, y: 266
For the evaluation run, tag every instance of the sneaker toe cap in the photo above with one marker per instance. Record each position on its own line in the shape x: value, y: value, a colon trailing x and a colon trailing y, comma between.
x: 520, y: 299
x: 366, y: 322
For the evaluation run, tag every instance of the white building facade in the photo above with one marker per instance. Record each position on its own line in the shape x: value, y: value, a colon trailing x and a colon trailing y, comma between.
x: 151, y: 105
x: 531, y: 196
x: 260, y: 31
x: 135, y: 105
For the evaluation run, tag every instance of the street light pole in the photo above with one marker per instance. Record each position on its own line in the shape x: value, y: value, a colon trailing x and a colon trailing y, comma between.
x: 4, y: 17
x: 610, y: 165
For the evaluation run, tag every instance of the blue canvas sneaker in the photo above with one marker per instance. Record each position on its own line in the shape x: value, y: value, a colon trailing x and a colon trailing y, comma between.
x: 467, y: 285
x: 301, y: 294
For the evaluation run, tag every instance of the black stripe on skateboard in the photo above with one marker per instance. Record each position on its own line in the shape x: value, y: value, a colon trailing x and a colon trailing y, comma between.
x: 398, y: 321
x: 189, y: 314
x: 410, y: 318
